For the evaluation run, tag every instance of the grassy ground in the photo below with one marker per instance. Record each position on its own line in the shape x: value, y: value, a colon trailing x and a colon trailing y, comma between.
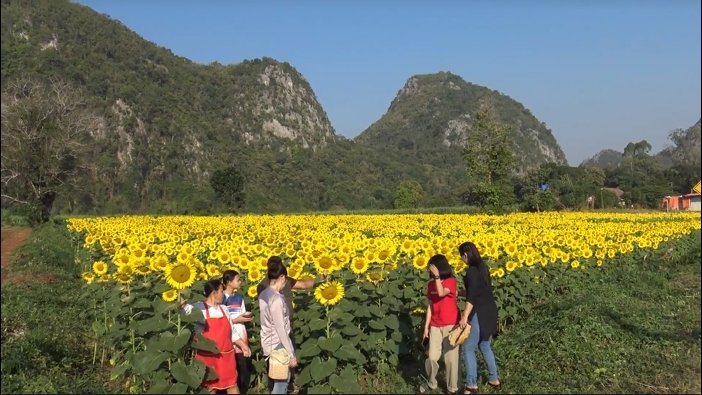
x: 631, y: 328
x: 46, y: 341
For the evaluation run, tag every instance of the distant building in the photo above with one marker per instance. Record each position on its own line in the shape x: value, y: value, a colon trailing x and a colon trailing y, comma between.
x: 689, y: 202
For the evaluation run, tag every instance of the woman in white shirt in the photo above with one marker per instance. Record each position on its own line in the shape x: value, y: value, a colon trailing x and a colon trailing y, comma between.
x: 234, y: 302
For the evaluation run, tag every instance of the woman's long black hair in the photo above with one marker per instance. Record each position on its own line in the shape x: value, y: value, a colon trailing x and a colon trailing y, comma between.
x: 442, y: 265
x: 475, y: 260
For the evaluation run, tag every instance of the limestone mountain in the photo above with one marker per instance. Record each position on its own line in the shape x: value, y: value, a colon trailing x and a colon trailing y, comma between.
x: 167, y: 122
x: 433, y: 113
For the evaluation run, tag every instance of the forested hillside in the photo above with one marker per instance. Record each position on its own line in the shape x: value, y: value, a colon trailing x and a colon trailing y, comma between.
x: 121, y: 125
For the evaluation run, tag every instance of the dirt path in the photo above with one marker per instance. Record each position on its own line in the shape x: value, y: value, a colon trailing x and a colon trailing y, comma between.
x: 11, y: 239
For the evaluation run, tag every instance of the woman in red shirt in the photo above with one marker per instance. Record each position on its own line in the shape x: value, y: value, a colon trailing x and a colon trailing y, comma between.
x: 442, y: 316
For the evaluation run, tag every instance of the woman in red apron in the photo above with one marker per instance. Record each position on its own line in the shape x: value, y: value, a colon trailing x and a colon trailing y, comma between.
x: 219, y: 330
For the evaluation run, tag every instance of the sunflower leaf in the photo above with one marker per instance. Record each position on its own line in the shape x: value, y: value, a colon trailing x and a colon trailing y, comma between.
x: 147, y: 361
x: 330, y: 344
x: 324, y: 369
x: 194, y: 316
x: 376, y: 325
x: 160, y: 288
x: 304, y: 377
x: 141, y: 303
x: 190, y: 375
x: 350, y: 330
x: 202, y: 343
x: 309, y: 349
x: 317, y: 324
x: 391, y: 322
x: 160, y: 387
x: 119, y: 370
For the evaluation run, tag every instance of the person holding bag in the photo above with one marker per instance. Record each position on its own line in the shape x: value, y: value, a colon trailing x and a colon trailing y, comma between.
x: 276, y: 342
x: 481, y: 312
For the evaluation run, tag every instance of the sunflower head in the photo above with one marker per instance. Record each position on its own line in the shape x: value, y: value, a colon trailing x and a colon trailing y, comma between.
x: 329, y: 293
x: 88, y: 277
x: 375, y: 277
x: 419, y: 311
x: 359, y: 265
x: 213, y: 270
x: 180, y: 275
x: 325, y: 264
x: 99, y: 268
x: 170, y: 295
x: 420, y: 262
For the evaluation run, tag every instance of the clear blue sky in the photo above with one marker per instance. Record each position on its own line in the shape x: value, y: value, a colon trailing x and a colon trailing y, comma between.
x: 599, y: 73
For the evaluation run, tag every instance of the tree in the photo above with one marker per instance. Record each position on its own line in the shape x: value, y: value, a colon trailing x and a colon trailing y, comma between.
x: 228, y: 184
x: 489, y: 158
x: 45, y: 127
x: 408, y: 194
x: 686, y: 158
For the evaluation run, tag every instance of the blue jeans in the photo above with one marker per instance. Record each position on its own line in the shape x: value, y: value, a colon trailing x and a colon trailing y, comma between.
x: 469, y: 359
x: 281, y: 386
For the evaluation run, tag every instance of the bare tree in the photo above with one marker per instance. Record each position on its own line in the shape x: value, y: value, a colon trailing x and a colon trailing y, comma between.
x: 45, y: 127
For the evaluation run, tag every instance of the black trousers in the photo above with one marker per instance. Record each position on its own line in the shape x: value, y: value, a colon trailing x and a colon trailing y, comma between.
x: 244, y: 367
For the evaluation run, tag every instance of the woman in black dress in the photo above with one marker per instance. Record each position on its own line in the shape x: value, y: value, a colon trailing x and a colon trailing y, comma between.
x: 481, y: 312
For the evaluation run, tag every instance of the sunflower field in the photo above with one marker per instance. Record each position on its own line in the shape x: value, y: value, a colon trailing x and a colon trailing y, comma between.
x: 369, y: 309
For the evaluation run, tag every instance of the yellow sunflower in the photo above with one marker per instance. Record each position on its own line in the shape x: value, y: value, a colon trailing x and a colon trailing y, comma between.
x: 375, y: 277
x: 142, y: 270
x: 213, y: 270
x: 329, y: 293
x: 511, y: 265
x: 305, y: 276
x: 159, y: 262
x: 420, y: 262
x: 324, y: 265
x: 170, y: 295
x: 100, y: 268
x: 293, y: 271
x: 419, y: 311
x: 224, y: 257
x: 88, y: 277
x: 104, y: 278
x: 123, y: 277
x: 255, y: 275
x: 252, y: 291
x: 359, y: 265
x: 180, y: 275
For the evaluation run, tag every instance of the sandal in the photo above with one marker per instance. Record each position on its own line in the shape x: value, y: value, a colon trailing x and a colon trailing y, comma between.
x: 423, y: 389
x: 495, y: 385
x: 470, y: 390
